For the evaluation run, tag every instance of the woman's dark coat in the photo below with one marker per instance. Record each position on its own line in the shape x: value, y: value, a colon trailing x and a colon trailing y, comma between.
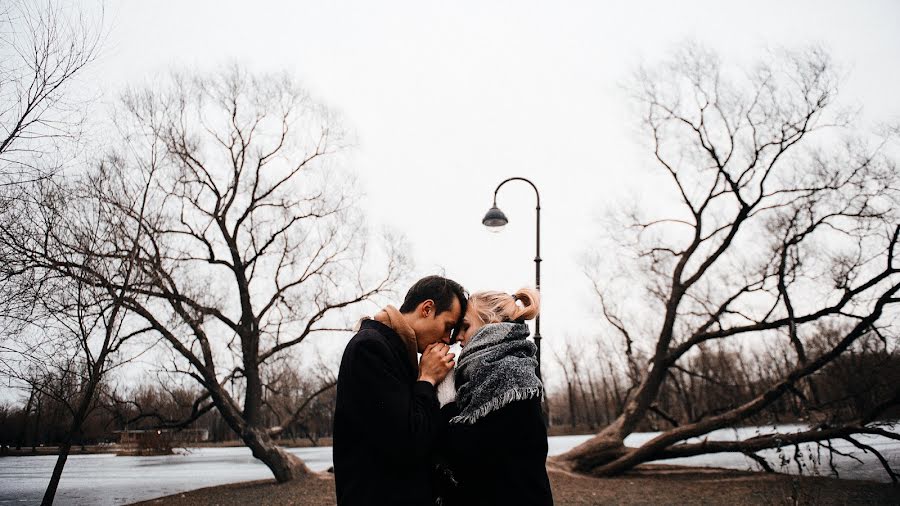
x: 500, y: 459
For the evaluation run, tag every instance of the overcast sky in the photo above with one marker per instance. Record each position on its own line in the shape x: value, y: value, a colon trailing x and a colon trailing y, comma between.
x: 449, y: 98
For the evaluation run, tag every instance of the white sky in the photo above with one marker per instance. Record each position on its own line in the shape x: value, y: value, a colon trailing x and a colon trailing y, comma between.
x: 449, y: 98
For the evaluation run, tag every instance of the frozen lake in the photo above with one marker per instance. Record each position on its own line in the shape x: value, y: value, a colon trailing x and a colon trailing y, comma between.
x: 108, y: 480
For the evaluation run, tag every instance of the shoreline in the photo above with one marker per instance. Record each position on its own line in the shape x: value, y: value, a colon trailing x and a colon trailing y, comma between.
x: 645, y: 485
x: 112, y: 448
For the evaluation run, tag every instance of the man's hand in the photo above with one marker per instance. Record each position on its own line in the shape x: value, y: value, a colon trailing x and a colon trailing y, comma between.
x: 436, y: 362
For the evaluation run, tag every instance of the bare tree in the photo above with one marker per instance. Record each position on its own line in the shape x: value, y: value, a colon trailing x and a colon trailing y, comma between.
x: 250, y: 242
x: 80, y: 328
x: 568, y: 363
x: 300, y: 403
x: 156, y: 405
x: 44, y: 46
x: 787, y: 221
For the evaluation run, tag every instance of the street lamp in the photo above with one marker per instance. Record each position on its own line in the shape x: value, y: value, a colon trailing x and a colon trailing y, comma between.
x: 495, y: 219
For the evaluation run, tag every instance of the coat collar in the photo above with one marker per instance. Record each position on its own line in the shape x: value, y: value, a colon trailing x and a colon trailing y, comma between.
x: 395, y: 342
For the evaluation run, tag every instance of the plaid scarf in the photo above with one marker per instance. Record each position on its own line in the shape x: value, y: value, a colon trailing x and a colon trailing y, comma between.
x: 495, y: 368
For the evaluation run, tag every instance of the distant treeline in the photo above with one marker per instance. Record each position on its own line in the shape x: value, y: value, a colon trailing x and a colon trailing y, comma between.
x: 41, y: 419
x: 715, y: 380
x: 703, y: 385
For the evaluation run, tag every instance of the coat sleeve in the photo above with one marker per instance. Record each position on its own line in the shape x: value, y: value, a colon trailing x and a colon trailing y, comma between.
x: 446, y: 390
x: 400, y: 420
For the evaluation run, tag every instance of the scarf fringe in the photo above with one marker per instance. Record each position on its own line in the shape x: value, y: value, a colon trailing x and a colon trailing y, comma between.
x: 516, y: 394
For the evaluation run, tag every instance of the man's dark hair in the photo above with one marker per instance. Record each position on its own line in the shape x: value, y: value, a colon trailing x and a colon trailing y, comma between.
x: 439, y: 289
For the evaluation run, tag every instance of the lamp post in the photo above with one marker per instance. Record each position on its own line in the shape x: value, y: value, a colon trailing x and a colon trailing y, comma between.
x: 496, y: 219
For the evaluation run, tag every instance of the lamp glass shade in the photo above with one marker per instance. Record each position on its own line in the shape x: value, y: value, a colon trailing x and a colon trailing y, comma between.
x: 494, y: 219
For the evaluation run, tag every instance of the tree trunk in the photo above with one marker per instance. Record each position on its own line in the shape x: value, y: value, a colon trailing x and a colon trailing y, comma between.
x: 50, y: 493
x: 37, y: 426
x: 609, y: 444
x: 620, y: 403
x: 585, y: 407
x: 607, y: 403
x: 596, y: 406
x: 80, y: 415
x: 24, y: 431
x: 285, y: 466
x: 571, y: 396
x: 594, y: 452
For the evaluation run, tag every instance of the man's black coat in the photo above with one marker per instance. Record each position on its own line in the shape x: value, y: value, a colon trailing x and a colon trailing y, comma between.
x: 385, y: 423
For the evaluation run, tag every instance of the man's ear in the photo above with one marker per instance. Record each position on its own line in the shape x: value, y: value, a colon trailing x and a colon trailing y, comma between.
x: 426, y: 308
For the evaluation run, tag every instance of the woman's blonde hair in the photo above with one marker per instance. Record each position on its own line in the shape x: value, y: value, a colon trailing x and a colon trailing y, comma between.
x: 496, y: 307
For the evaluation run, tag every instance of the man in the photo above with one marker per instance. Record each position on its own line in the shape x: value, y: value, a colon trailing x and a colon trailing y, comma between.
x: 387, y: 412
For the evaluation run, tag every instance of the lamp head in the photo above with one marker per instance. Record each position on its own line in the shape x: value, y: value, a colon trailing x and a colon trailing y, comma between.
x: 495, y: 220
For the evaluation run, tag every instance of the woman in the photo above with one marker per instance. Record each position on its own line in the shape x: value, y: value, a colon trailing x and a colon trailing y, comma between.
x: 496, y: 439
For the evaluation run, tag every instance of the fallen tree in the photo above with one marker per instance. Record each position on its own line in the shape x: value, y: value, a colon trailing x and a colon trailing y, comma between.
x: 786, y: 224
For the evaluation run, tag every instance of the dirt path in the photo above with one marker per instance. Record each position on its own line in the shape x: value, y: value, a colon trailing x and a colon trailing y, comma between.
x: 648, y: 486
